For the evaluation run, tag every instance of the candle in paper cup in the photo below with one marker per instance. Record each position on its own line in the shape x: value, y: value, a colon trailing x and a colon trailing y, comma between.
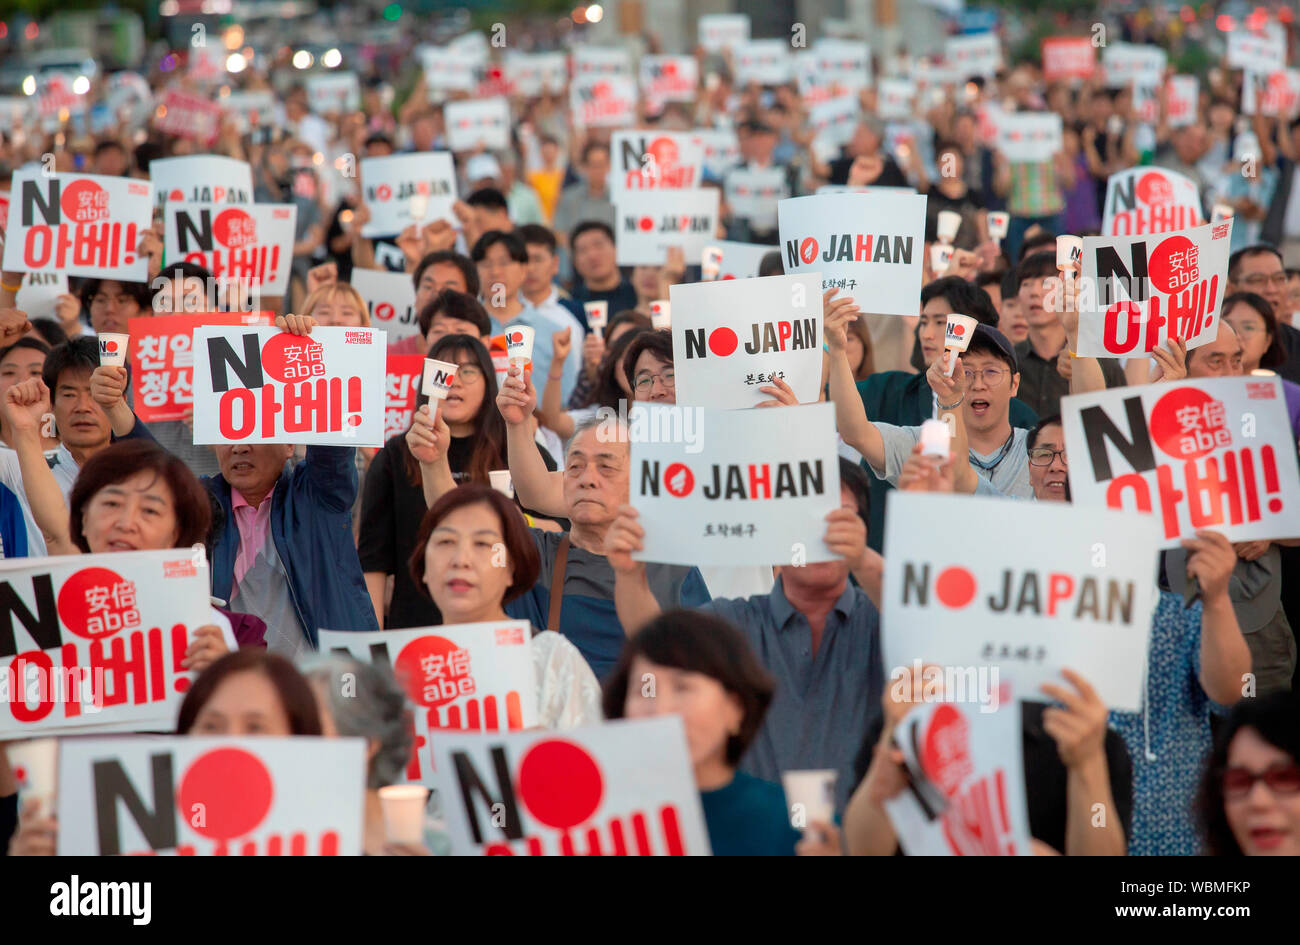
x: 403, y: 810
x: 711, y: 263
x: 811, y: 793
x: 940, y: 257
x: 661, y: 314
x: 999, y: 223
x: 419, y: 204
x: 597, y: 316
x: 1069, y: 253
x: 112, y: 348
x: 438, y: 377
x: 519, y: 344
x: 935, y: 438
x: 957, y: 336
x: 501, y: 482
x: 1221, y: 211
x: 948, y: 224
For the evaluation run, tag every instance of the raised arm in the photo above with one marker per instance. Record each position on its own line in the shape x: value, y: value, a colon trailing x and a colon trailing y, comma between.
x: 24, y: 407
x: 633, y: 600
x: 428, y: 440
x: 536, y: 486
x: 850, y: 415
x: 552, y: 411
x: 1225, y: 658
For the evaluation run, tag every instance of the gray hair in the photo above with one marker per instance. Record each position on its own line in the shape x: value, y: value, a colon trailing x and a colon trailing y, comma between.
x: 604, y: 419
x: 365, y: 700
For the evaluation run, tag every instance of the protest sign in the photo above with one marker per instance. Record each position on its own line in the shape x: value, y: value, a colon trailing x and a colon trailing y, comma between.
x: 1182, y: 94
x: 206, y: 64
x: 753, y: 489
x: 534, y: 74
x: 390, y: 298
x: 617, y: 789
x: 1206, y: 453
x: 79, y: 224
x: 474, y: 123
x: 247, y: 245
x: 1271, y: 94
x: 753, y: 194
x: 92, y: 640
x: 129, y: 97
x: 669, y: 78
x: 977, y: 54
x: 648, y: 222
x: 212, y: 796
x: 259, y: 385
x: 600, y: 101
x: 641, y: 160
x: 731, y: 338
x: 894, y: 98
x: 740, y: 260
x: 1027, y: 609
x: 1148, y: 289
x: 719, y: 31
x: 467, y: 677
x: 834, y: 121
x: 601, y: 61
x: 721, y: 150
x: 450, y: 68
x: 845, y: 63
x: 332, y: 93
x: 40, y: 293
x: 407, y: 188
x: 966, y: 782
x: 57, y: 100
x: 1142, y: 200
x: 251, y: 108
x: 1030, y: 137
x: 401, y: 389
x: 1068, y: 57
x: 187, y: 115
x: 1140, y: 67
x: 869, y: 246
x: 201, y: 178
x: 765, y: 61
x: 1256, y: 52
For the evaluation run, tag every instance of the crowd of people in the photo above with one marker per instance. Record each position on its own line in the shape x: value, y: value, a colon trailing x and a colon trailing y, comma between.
x: 771, y: 669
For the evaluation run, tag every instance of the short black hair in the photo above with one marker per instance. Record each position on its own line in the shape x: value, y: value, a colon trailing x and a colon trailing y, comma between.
x: 1036, y: 266
x: 109, y: 144
x: 378, y: 137
x: 139, y: 291
x: 489, y: 198
x: 33, y: 343
x: 992, y: 277
x: 593, y: 146
x: 659, y: 343
x: 698, y: 643
x: 455, y: 304
x: 1052, y: 420
x: 1011, y: 283
x: 175, y: 272
x: 50, y: 330
x: 1246, y: 252
x: 771, y: 264
x: 1035, y: 243
x: 854, y: 478
x: 447, y: 257
x: 965, y: 298
x: 76, y: 354
x: 534, y: 234
x: 513, y: 243
x: 586, y: 226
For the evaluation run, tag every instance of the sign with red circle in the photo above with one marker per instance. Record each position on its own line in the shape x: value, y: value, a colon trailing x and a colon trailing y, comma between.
x: 84, y: 201
x: 679, y: 480
x: 96, y: 603
x: 292, y: 359
x: 1188, y: 423
x: 560, y: 784
x: 234, y: 228
x: 225, y: 793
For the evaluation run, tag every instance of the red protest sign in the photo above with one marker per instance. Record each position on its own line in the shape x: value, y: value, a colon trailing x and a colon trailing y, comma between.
x: 1068, y: 57
x: 189, y: 116
x: 401, y: 388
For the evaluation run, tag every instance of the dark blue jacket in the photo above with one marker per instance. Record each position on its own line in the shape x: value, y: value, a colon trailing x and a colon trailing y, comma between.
x: 311, y: 524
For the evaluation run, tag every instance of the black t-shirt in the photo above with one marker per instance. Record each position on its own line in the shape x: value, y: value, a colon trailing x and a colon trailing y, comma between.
x: 891, y: 175
x: 620, y: 298
x: 968, y: 205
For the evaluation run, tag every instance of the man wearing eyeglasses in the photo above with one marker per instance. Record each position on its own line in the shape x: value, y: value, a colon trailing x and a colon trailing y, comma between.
x: 1259, y: 269
x: 1049, y: 474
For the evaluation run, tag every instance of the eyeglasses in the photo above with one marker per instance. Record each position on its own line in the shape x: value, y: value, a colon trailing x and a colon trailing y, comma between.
x: 1250, y: 328
x: 1043, y: 456
x: 109, y: 299
x: 645, y: 381
x: 1260, y: 278
x: 991, y: 376
x: 1281, y: 778
x: 468, y: 373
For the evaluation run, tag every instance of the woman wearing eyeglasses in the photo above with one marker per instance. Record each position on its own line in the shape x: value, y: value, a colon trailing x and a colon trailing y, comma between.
x: 1250, y: 796
x: 1252, y: 317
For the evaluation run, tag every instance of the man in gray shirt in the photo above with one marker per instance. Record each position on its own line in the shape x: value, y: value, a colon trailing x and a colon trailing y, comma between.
x: 587, y: 199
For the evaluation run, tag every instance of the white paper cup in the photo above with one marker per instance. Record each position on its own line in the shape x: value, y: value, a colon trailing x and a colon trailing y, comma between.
x: 1069, y: 253
x: 403, y: 809
x: 940, y: 257
x: 936, y: 438
x: 419, y: 204
x: 112, y: 348
x: 661, y: 314
x: 501, y: 482
x: 519, y: 344
x: 948, y: 224
x: 597, y: 316
x: 999, y: 222
x: 1221, y: 211
x: 35, y: 766
x: 956, y: 337
x: 437, y: 380
x: 711, y: 263
x: 811, y: 791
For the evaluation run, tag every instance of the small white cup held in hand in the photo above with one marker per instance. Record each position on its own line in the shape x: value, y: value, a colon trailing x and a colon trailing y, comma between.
x: 112, y: 348
x: 999, y: 223
x: 948, y: 224
x: 710, y: 263
x: 403, y: 810
x: 1069, y: 254
x: 661, y: 314
x: 438, y: 378
x: 936, y: 437
x: 956, y: 337
x: 501, y: 482
x: 1221, y: 211
x: 812, y: 792
x: 597, y: 316
x: 419, y: 204
x: 519, y: 344
x: 940, y: 257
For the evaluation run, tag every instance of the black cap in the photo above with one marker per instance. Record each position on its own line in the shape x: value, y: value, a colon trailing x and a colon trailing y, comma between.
x: 999, y: 341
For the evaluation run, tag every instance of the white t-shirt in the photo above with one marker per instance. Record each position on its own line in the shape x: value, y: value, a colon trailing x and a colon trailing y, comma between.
x: 1008, y: 467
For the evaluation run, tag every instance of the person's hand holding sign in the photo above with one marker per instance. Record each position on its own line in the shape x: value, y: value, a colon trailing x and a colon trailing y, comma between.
x: 781, y: 391
x: 295, y: 324
x: 836, y: 316
x: 1171, y: 361
x: 1210, y: 561
x: 207, y: 645
x: 1079, y: 725
x: 846, y: 536
x: 517, y: 398
x: 625, y: 536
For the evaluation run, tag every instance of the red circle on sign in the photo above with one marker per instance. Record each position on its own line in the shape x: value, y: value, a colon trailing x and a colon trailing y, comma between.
x: 560, y: 783
x: 383, y: 192
x: 176, y: 195
x: 225, y: 793
x: 1153, y: 187
x: 1188, y: 423
x: 110, y: 347
x: 955, y: 587
x: 808, y: 250
x: 84, y: 201
x: 945, y: 757
x: 233, y: 228
x: 1170, y: 275
x: 722, y: 341
x: 959, y: 330
x: 679, y: 480
x: 87, y: 606
x: 421, y: 668
x: 384, y: 311
x: 288, y: 358
x: 646, y: 223
x: 664, y: 151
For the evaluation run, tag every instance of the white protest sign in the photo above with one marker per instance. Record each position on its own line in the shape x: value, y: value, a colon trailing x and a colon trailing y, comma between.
x: 248, y: 244
x: 98, y: 639
x: 450, y: 68
x: 754, y: 192
x: 1132, y: 62
x: 483, y: 122
x: 1203, y: 453
x: 1256, y: 52
x: 1030, y: 137
x: 79, y: 224
x: 1148, y: 289
x: 621, y: 788
x: 398, y: 187
x: 390, y: 297
x: 601, y: 101
x: 1271, y: 94
x: 332, y: 93
x: 201, y: 178
x: 475, y: 676
x: 251, y: 108
x: 259, y: 385
x: 648, y: 222
x: 719, y: 31
x: 1143, y: 200
x: 212, y: 796
x: 532, y: 74
x: 894, y: 98
x: 740, y: 260
x: 966, y: 793
x: 721, y: 149
x: 732, y: 338
x: 1029, y: 609
x: 754, y: 488
x: 834, y: 121
x: 602, y: 61
x: 932, y: 77
x: 669, y: 78
x: 846, y: 64
x: 977, y: 54
x: 40, y: 293
x: 869, y: 246
x: 646, y: 160
x: 765, y: 61
x: 1182, y: 94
